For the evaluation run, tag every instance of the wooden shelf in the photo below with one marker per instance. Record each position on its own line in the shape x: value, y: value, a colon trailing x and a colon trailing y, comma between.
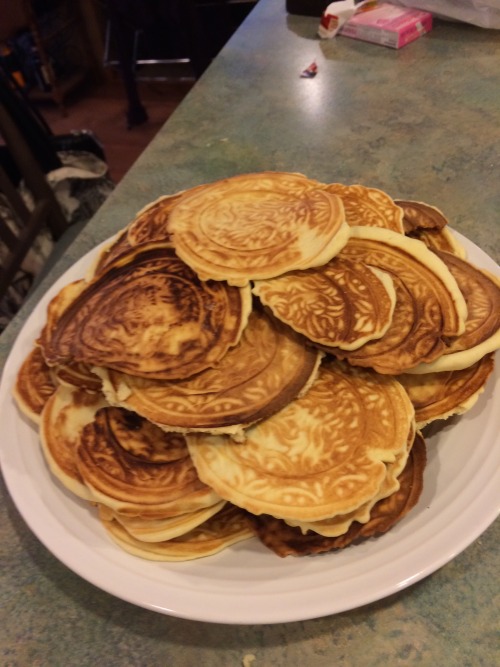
x: 63, y: 40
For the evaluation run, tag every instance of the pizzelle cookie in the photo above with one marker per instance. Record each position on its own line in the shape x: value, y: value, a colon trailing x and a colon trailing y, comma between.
x: 150, y: 225
x: 368, y: 206
x: 229, y: 526
x: 344, y: 303
x: 187, y: 412
x: 57, y: 306
x: 285, y: 540
x: 110, y: 251
x: 34, y: 385
x: 149, y: 315
x: 64, y: 416
x: 269, y: 367
x: 441, y: 395
x: 152, y: 222
x: 481, y: 336
x: 257, y: 226
x: 430, y: 307
x: 322, y: 455
x: 428, y: 224
x: 131, y: 466
x: 159, y: 530
x: 340, y: 523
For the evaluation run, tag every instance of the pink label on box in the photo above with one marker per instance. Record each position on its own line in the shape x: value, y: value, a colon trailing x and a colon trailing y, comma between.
x: 388, y: 25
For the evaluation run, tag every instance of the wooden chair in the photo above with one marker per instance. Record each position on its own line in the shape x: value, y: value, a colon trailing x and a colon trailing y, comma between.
x: 152, y: 24
x: 46, y: 210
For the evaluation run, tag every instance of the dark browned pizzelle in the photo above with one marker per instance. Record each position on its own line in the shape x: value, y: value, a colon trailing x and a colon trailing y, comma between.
x: 147, y: 315
x: 418, y: 216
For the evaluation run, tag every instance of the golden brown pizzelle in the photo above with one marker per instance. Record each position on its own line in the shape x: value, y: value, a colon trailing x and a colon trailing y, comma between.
x: 229, y: 526
x: 340, y: 523
x: 160, y: 530
x: 309, y: 418
x: 34, y: 385
x: 79, y: 375
x: 430, y: 308
x: 268, y: 368
x: 324, y: 454
x: 57, y: 306
x: 285, y: 540
x: 257, y: 226
x: 131, y: 466
x: 342, y: 304
x: 481, y: 335
x: 369, y: 207
x: 112, y: 250
x: 63, y: 418
x: 150, y: 224
x: 441, y: 395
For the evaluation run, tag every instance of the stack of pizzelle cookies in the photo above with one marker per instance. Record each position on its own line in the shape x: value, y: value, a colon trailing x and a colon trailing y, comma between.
x: 257, y: 356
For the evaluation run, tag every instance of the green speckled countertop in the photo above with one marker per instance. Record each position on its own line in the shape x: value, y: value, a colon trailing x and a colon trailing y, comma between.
x: 421, y: 123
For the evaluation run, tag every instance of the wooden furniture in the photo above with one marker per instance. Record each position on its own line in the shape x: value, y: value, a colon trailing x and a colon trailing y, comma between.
x: 26, y: 165
x: 145, y: 39
x: 64, y: 35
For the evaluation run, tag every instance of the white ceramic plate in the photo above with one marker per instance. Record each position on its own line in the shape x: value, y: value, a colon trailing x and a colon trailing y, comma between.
x: 247, y: 584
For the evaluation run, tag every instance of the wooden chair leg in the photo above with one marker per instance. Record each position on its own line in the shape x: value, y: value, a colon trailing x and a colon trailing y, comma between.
x: 33, y: 176
x: 22, y: 244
